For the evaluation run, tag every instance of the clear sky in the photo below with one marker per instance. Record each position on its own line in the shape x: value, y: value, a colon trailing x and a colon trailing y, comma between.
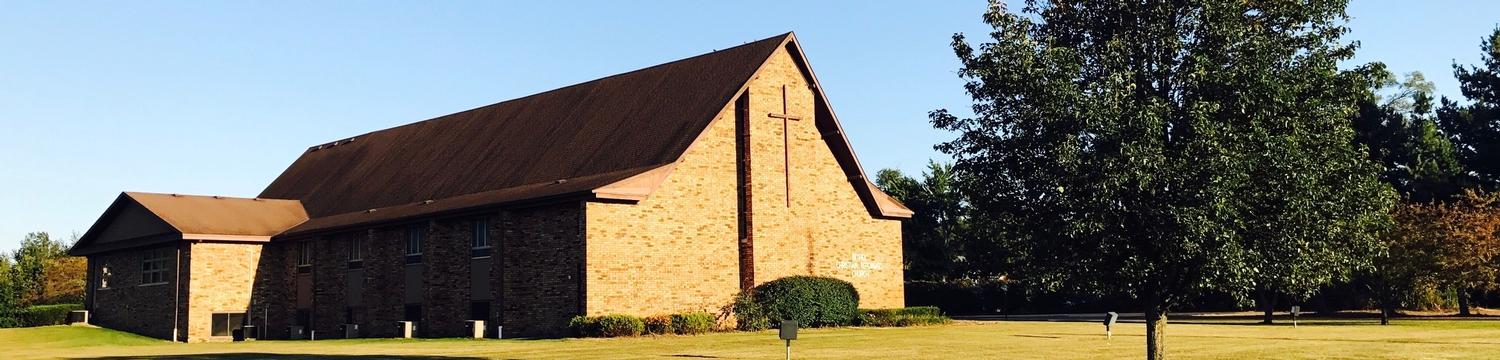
x: 219, y: 97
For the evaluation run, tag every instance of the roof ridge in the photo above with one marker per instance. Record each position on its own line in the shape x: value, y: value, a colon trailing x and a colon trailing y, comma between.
x: 220, y: 197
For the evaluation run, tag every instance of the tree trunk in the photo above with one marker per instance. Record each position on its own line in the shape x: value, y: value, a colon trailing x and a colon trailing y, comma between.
x: 1268, y: 304
x: 1463, y: 301
x: 1156, y: 332
x: 1387, y: 308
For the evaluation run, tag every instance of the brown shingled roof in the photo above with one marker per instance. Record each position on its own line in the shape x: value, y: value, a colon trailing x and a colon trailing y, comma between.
x: 613, y: 137
x: 635, y: 120
x: 193, y: 217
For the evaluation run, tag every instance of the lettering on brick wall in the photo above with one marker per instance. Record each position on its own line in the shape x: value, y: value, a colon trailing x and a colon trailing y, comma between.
x: 860, y: 264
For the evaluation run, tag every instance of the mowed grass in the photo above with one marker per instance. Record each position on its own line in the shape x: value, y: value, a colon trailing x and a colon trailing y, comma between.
x: 1327, y: 339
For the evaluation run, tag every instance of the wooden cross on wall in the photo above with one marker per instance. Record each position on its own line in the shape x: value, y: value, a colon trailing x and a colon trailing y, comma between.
x: 786, y: 156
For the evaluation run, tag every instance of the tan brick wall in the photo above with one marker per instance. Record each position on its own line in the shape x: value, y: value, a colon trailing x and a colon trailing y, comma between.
x: 220, y: 280
x: 677, y: 250
x: 826, y: 230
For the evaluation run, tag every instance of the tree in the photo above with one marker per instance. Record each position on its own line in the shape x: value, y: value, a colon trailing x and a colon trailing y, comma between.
x: 1467, y: 230
x: 1450, y: 245
x: 1409, y: 262
x: 7, y: 295
x: 1129, y: 144
x: 44, y: 274
x: 934, y: 241
x: 30, y: 264
x: 1475, y: 127
x: 1401, y: 133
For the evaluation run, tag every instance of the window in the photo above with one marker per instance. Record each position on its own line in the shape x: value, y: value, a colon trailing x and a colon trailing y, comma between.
x: 479, y: 310
x: 413, y: 313
x: 154, y: 266
x: 414, y: 237
x: 356, y: 248
x: 225, y: 324
x: 351, y: 314
x: 481, y: 234
x: 103, y: 276
x: 304, y: 318
x: 481, y: 243
x: 304, y: 257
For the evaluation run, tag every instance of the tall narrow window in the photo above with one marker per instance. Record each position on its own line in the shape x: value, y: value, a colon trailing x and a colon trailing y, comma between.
x: 414, y: 238
x: 304, y: 256
x: 104, y: 276
x: 356, y: 248
x: 481, y: 243
x: 154, y: 266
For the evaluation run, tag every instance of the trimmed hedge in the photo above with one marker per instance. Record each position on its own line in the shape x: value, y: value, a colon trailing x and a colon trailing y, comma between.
x: 607, y: 326
x: 43, y: 315
x: 620, y: 325
x: 692, y: 323
x: 812, y: 301
x: 658, y: 325
x: 912, y: 316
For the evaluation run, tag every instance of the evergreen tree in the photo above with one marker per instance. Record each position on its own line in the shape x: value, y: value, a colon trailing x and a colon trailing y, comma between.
x: 1475, y: 127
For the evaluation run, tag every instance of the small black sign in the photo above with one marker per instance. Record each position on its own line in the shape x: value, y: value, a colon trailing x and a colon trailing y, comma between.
x: 1110, y: 318
x: 789, y: 329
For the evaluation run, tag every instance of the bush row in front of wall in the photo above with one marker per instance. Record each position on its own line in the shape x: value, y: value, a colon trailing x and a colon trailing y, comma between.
x: 691, y: 323
x: 911, y: 316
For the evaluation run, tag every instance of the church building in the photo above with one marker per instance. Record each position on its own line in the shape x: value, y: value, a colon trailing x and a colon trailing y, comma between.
x: 661, y: 190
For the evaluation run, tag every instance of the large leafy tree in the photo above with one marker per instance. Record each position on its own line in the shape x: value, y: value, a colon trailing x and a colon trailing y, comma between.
x: 1475, y: 127
x: 1165, y: 149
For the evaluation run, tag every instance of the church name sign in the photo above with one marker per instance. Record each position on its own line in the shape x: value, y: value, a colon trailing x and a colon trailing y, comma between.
x: 860, y: 264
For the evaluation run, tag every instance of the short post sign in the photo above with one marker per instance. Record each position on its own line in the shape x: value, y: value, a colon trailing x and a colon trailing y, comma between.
x: 789, y: 333
x: 1295, y: 310
x: 1109, y: 322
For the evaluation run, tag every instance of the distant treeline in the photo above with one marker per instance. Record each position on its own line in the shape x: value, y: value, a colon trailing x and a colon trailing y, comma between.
x: 38, y: 281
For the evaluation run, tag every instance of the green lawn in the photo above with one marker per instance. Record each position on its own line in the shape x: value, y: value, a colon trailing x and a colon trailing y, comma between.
x: 1341, y: 339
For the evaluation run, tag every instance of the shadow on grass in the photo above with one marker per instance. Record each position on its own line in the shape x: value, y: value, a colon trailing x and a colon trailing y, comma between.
x: 246, y: 356
x: 1274, y: 338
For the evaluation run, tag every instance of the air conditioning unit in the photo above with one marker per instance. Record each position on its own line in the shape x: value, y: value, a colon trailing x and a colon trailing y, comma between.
x: 351, y: 331
x: 78, y: 317
x: 296, y: 332
x: 250, y: 332
x: 406, y: 329
x: 475, y: 328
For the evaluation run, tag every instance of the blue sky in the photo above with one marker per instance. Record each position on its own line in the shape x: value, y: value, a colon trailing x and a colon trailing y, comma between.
x: 219, y: 97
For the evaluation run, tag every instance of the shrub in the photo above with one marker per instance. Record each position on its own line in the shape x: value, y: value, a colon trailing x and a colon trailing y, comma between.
x: 912, y: 316
x: 692, y: 323
x: 748, y: 314
x: 619, y: 325
x: 658, y: 325
x: 607, y: 326
x: 43, y: 315
x: 584, y: 326
x: 810, y: 300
